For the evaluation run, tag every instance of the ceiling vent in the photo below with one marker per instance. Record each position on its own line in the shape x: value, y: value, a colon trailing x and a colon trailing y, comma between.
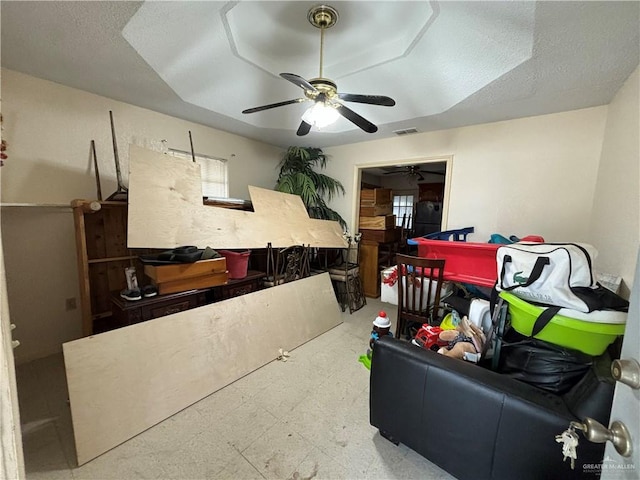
x: 407, y: 131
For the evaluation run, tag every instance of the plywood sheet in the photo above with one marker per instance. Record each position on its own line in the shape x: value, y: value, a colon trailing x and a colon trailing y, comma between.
x: 11, y: 457
x: 124, y: 381
x: 166, y: 210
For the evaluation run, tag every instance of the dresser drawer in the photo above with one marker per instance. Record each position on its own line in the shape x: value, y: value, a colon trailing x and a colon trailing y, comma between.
x: 169, y: 307
x: 130, y: 312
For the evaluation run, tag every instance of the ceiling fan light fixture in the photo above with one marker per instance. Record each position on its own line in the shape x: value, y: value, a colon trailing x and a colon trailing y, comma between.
x: 328, y: 103
x: 320, y: 115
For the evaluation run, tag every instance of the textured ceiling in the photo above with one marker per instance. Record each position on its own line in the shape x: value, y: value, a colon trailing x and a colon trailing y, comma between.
x: 446, y: 64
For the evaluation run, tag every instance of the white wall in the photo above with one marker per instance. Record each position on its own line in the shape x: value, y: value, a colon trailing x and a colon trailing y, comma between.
x: 538, y: 175
x: 533, y: 175
x: 615, y: 222
x: 48, y: 128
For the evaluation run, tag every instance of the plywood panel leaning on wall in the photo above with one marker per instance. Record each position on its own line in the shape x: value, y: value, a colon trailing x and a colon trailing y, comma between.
x: 124, y: 381
x: 166, y: 211
x: 11, y: 457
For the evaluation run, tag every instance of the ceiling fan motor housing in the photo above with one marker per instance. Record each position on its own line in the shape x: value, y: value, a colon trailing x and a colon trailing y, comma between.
x: 323, y: 16
x: 323, y: 85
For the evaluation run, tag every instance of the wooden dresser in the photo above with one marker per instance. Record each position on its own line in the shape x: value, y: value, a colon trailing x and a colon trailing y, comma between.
x: 127, y: 312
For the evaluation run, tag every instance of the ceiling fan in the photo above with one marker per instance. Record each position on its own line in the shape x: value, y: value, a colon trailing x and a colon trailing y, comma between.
x: 412, y: 171
x: 323, y: 92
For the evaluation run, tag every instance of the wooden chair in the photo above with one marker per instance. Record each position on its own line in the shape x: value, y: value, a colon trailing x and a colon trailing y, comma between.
x: 388, y: 251
x: 286, y: 264
x: 419, y: 288
x: 405, y: 233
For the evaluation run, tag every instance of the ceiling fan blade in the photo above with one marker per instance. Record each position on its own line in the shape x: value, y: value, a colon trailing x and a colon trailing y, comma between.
x: 420, y: 177
x: 370, y: 99
x: 303, y: 129
x: 353, y: 117
x: 274, y: 105
x: 431, y: 172
x: 299, y: 81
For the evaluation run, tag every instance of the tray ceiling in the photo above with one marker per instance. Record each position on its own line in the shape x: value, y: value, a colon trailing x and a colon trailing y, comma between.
x: 446, y: 64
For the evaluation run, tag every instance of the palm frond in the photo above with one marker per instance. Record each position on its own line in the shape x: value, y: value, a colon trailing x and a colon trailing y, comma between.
x: 326, y: 185
x: 297, y: 176
x: 298, y: 184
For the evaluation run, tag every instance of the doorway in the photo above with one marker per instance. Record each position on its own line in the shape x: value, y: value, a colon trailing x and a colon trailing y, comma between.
x: 419, y: 195
x: 420, y: 191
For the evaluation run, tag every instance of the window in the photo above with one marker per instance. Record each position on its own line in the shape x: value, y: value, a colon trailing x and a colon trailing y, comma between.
x: 403, y: 205
x: 215, y: 183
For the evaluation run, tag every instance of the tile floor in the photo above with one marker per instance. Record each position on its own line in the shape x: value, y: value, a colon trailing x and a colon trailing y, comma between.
x: 301, y: 419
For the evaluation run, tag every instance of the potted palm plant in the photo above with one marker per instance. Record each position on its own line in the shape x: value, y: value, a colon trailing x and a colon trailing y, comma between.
x: 297, y: 176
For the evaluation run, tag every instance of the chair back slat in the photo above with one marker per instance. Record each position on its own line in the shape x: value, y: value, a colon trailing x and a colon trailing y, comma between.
x: 287, y: 264
x: 419, y: 290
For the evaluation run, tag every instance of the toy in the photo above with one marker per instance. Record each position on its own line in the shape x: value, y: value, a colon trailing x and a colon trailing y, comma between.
x: 381, y: 327
x: 429, y: 337
x: 466, y: 342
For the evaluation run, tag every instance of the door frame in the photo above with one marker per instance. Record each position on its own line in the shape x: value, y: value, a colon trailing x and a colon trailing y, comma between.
x: 357, y: 179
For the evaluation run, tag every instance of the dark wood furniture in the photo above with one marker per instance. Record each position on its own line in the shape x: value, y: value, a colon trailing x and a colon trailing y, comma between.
x: 373, y: 243
x: 430, y: 192
x: 102, y: 253
x: 419, y: 289
x: 127, y: 312
x: 236, y: 287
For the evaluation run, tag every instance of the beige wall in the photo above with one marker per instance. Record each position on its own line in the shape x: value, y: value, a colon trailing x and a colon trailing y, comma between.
x: 571, y: 176
x: 48, y: 128
x: 537, y: 175
x: 615, y: 222
x: 527, y: 176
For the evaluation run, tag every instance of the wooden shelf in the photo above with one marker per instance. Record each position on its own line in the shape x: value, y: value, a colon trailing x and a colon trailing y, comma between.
x: 35, y: 205
x: 112, y: 259
x: 102, y: 256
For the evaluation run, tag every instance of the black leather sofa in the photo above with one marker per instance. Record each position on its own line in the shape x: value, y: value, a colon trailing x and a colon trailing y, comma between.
x: 478, y: 424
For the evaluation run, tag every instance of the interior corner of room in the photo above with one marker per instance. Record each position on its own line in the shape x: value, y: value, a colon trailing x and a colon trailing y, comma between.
x: 580, y: 186
x: 569, y: 176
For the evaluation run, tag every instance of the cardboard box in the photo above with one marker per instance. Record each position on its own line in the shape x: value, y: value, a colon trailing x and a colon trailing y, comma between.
x: 179, y: 271
x: 381, y: 222
x: 192, y: 283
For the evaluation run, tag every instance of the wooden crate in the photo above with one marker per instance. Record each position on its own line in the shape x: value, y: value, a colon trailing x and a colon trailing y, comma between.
x: 376, y: 196
x: 374, y: 210
x: 193, y: 283
x: 180, y: 271
x: 381, y: 236
x: 381, y: 222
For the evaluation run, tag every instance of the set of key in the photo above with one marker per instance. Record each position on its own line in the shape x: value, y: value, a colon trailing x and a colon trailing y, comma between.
x: 595, y: 432
x: 569, y: 441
